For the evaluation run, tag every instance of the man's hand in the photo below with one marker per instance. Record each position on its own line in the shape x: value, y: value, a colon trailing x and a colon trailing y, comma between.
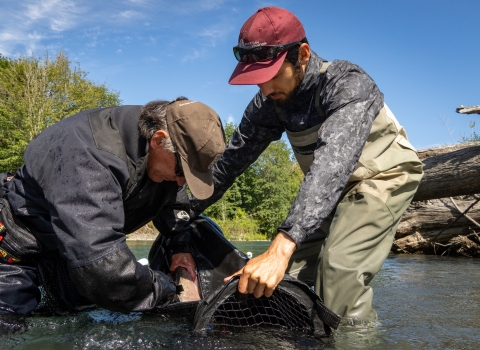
x: 184, y: 260
x: 262, y: 274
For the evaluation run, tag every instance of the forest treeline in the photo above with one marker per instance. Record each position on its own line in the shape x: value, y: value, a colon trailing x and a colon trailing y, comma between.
x: 36, y: 92
x: 260, y: 198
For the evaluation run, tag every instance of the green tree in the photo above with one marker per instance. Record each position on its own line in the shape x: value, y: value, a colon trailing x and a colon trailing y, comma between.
x: 274, y: 180
x: 36, y: 92
x: 227, y: 207
x: 260, y: 198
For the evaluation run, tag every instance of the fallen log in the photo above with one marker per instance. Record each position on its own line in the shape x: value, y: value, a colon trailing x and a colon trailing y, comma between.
x: 468, y: 110
x: 450, y: 171
x: 438, y: 227
x: 436, y: 151
x: 434, y: 224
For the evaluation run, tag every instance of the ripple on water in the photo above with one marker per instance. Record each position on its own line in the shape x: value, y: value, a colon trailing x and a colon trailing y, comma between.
x: 422, y: 303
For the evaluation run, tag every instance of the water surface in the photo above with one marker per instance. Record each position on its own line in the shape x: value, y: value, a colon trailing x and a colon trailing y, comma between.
x: 423, y: 302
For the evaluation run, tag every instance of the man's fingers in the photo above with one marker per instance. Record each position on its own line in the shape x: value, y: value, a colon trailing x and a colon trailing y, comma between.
x: 239, y: 272
x: 259, y: 290
x: 252, y: 286
x: 244, y: 282
x: 268, y: 291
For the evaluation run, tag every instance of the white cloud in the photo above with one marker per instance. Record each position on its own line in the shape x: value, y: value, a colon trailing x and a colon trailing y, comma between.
x: 191, y: 6
x: 130, y: 14
x: 25, y: 24
x: 30, y: 24
x: 195, y: 54
x: 212, y: 35
x: 59, y: 15
x: 206, y: 5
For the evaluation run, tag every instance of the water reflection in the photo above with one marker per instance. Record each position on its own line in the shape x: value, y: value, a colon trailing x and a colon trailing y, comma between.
x: 423, y: 302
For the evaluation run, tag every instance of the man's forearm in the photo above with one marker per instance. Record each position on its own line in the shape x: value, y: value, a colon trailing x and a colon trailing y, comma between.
x: 282, y: 245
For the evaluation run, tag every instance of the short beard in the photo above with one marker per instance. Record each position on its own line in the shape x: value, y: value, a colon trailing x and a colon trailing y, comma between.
x: 298, y: 75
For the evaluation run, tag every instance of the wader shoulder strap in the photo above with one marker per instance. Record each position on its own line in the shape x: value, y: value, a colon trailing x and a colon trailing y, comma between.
x: 108, y: 138
x: 282, y: 117
x: 323, y: 69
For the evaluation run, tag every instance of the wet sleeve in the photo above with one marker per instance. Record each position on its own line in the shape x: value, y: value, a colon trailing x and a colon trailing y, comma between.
x: 84, y: 190
x: 257, y: 129
x: 351, y: 101
x: 148, y: 288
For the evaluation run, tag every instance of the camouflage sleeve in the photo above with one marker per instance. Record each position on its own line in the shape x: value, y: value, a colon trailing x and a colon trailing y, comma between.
x: 351, y: 101
x: 257, y: 129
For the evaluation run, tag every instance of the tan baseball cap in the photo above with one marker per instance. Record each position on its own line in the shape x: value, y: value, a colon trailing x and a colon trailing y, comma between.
x: 197, y: 134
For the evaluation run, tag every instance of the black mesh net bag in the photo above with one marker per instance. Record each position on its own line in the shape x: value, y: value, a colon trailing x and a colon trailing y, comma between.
x: 293, y: 305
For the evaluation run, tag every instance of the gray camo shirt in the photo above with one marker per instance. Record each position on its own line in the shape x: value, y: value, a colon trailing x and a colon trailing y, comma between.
x: 350, y: 100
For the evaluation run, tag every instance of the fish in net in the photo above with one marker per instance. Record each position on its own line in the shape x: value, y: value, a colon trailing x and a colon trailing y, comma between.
x: 293, y: 305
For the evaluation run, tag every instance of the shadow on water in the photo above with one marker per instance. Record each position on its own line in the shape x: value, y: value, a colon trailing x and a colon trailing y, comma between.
x: 423, y: 302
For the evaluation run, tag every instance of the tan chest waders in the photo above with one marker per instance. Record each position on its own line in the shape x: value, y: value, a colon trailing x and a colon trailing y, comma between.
x: 342, y: 258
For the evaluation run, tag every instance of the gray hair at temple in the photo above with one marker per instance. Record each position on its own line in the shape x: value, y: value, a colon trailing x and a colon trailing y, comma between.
x: 153, y: 117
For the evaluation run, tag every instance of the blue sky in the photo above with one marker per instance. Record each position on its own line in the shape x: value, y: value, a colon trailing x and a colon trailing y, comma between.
x: 423, y: 54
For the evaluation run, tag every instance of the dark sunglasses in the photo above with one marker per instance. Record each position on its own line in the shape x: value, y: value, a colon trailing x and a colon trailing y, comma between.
x: 179, y: 169
x: 261, y: 53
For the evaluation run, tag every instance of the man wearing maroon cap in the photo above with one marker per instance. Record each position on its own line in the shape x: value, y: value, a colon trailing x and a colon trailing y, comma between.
x: 360, y: 170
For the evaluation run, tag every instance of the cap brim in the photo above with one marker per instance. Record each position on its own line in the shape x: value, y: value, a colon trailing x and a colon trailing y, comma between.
x: 200, y: 184
x: 257, y: 72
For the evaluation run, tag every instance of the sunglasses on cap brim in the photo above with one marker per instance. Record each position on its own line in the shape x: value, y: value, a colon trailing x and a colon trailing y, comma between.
x: 261, y: 53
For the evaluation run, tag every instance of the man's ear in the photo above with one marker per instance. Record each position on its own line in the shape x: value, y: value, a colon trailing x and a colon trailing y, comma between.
x: 157, y: 139
x: 304, y: 54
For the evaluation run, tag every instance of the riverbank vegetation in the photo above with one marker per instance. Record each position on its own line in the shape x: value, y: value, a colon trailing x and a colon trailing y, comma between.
x: 444, y: 218
x: 260, y: 198
x: 36, y: 92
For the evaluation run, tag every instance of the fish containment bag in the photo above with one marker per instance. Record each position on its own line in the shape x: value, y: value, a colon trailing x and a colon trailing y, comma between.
x: 293, y: 305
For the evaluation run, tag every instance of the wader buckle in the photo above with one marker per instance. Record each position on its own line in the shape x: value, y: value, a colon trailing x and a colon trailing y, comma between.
x: 4, y: 255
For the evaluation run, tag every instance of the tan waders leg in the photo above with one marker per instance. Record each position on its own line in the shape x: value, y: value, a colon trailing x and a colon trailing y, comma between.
x: 359, y: 240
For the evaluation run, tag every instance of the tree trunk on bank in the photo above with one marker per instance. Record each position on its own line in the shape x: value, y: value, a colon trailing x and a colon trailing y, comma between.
x: 431, y: 227
x: 434, y: 224
x: 450, y: 171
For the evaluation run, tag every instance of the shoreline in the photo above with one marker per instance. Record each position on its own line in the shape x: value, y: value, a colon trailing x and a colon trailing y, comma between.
x: 235, y: 240
x: 148, y: 234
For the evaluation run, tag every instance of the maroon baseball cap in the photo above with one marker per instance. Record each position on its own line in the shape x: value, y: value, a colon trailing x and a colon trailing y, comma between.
x: 268, y: 26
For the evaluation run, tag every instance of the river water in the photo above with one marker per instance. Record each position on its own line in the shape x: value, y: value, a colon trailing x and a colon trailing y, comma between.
x: 423, y: 302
